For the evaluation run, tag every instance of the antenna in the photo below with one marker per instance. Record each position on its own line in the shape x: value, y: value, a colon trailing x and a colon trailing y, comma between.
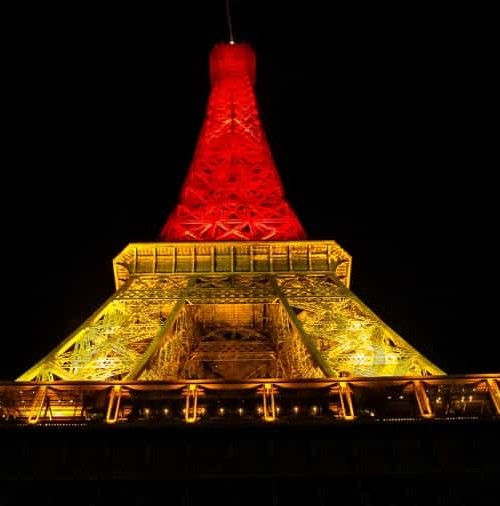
x: 229, y: 24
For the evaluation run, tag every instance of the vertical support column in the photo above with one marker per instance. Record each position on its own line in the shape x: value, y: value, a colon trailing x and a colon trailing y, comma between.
x: 135, y: 261
x: 346, y: 401
x: 494, y: 393
x: 174, y: 260
x: 114, y: 404
x: 191, y: 408
x: 268, y: 403
x: 37, y: 404
x: 155, y: 260
x: 424, y: 405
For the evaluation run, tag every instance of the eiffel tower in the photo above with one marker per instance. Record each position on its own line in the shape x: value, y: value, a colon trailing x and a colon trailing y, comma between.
x: 232, y: 320
x: 234, y: 291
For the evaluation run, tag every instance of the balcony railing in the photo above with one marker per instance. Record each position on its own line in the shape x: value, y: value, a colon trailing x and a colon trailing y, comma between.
x: 330, y: 400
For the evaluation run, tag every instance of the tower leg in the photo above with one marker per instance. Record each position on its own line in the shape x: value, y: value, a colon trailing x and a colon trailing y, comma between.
x: 346, y: 401
x: 495, y: 393
x: 37, y: 405
x: 268, y: 403
x: 191, y: 404
x: 424, y: 405
x: 114, y: 404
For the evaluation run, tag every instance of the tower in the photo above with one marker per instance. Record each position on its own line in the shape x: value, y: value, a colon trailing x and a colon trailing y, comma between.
x: 225, y: 361
x: 232, y: 321
x: 234, y: 291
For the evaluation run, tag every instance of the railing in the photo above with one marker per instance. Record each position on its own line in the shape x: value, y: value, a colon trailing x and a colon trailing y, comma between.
x: 329, y: 400
x: 232, y: 257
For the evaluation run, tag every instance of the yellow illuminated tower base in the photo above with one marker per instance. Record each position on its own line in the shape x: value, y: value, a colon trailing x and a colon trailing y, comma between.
x: 231, y: 311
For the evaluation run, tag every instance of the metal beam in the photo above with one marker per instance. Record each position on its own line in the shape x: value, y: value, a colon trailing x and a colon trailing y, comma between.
x: 157, y: 340
x: 424, y: 405
x: 315, y: 354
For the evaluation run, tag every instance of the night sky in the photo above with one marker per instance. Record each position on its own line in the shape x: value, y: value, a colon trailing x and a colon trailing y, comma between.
x: 377, y: 119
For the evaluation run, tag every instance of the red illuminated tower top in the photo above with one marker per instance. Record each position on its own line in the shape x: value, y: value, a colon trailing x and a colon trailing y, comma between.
x: 232, y: 190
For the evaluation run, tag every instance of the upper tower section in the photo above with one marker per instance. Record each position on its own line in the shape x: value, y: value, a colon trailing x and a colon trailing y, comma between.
x: 232, y: 190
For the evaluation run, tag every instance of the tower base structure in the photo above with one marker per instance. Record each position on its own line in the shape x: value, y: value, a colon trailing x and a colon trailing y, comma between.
x: 240, y: 331
x: 234, y: 311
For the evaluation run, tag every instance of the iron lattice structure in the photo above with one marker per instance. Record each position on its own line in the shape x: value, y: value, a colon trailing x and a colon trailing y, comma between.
x: 231, y: 311
x: 232, y: 190
x: 199, y: 322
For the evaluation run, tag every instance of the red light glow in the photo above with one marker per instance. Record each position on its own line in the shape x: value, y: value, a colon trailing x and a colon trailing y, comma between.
x: 232, y: 190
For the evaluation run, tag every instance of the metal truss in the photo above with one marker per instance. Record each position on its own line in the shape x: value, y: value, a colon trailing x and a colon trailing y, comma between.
x: 232, y: 190
x: 239, y: 294
x: 232, y: 327
x: 351, y: 339
x: 119, y: 338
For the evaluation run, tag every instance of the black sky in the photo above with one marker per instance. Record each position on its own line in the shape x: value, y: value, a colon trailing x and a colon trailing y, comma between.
x: 378, y: 121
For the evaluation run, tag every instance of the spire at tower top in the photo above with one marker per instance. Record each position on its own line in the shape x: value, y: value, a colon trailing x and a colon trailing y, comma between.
x: 232, y: 190
x: 229, y: 23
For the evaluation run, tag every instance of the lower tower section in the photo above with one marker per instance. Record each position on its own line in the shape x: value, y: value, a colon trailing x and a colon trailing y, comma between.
x: 231, y: 311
